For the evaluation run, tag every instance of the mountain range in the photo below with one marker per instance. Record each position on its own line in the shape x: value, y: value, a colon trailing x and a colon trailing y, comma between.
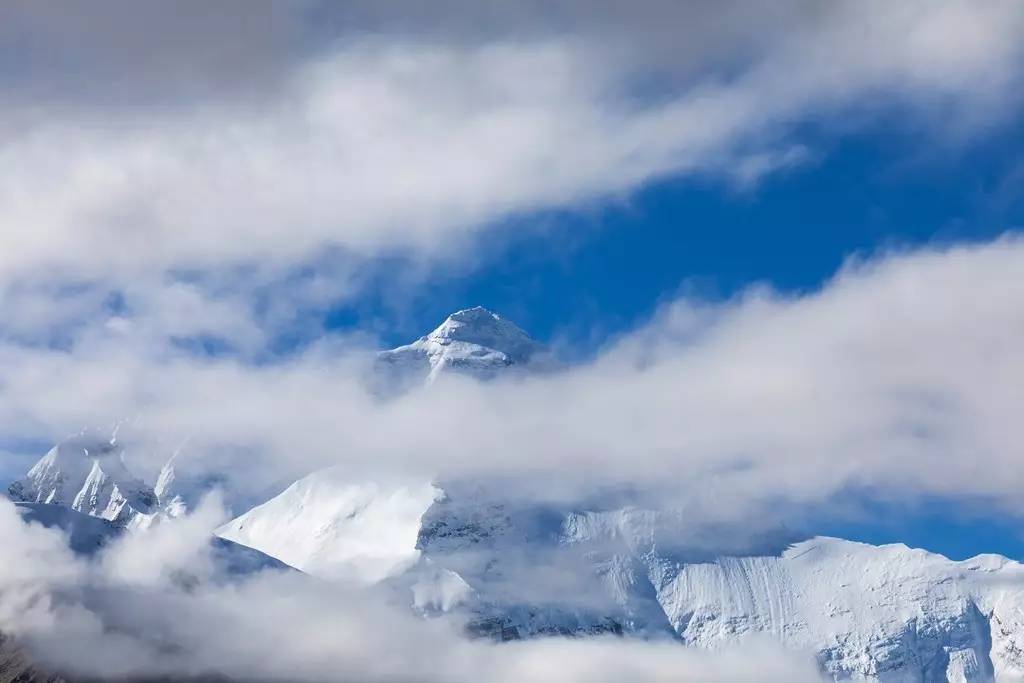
x: 518, y: 568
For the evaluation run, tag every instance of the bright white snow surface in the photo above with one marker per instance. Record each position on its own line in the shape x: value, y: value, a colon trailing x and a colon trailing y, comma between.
x: 88, y: 473
x: 328, y: 526
x: 889, y: 612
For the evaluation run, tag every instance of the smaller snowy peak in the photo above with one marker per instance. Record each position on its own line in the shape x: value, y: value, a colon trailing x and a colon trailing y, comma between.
x: 474, y: 342
x: 882, y: 613
x: 86, y: 472
x: 59, y: 475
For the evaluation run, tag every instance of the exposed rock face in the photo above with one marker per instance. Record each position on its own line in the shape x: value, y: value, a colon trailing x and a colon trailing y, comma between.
x: 86, y: 534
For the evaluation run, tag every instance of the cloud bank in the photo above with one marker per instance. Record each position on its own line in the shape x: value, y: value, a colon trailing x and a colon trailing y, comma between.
x: 93, y: 618
x: 901, y: 374
x: 380, y: 130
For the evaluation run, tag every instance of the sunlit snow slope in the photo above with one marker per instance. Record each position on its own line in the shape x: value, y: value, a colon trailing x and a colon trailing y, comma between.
x: 331, y: 527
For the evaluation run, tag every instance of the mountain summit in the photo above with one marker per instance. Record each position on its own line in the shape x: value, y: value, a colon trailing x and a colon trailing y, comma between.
x: 482, y: 328
x: 473, y: 341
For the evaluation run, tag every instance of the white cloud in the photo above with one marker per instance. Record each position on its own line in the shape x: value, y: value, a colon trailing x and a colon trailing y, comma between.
x: 44, y: 563
x: 902, y: 374
x: 175, y: 547
x: 413, y: 140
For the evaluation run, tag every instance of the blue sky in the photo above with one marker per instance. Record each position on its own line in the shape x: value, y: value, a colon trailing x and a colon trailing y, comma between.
x: 585, y: 275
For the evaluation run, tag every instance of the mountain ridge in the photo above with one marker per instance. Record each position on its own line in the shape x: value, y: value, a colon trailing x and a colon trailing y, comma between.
x: 889, y: 612
x: 514, y: 568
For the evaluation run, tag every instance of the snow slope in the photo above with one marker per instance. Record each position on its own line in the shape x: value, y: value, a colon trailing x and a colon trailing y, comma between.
x: 519, y: 569
x: 330, y: 527
x: 179, y: 489
x: 886, y: 613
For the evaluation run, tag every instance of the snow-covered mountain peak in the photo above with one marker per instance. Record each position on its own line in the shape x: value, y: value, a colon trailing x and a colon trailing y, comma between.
x: 480, y: 327
x: 473, y: 341
x: 87, y: 473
